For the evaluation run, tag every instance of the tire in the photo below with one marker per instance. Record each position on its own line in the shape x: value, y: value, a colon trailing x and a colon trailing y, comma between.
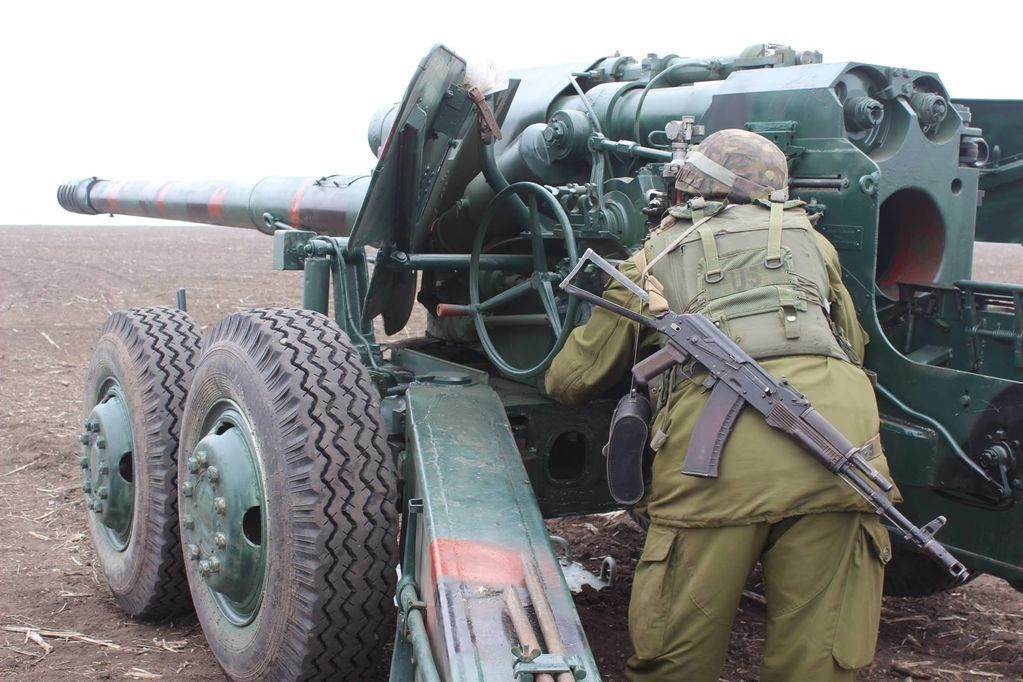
x: 911, y: 574
x: 307, y: 592
x: 134, y: 397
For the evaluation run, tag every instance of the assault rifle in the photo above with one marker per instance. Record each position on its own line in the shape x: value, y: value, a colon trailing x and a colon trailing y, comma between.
x: 735, y: 379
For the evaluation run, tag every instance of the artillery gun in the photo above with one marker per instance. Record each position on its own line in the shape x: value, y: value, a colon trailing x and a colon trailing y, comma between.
x: 259, y: 475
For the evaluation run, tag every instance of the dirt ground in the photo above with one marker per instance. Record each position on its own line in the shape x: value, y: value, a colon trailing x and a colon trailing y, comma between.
x: 57, y: 285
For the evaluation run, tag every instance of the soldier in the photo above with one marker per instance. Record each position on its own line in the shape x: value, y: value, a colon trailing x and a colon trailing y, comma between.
x: 736, y: 251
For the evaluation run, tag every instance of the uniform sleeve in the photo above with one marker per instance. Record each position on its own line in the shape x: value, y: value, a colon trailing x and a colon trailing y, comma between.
x: 843, y: 312
x: 599, y: 354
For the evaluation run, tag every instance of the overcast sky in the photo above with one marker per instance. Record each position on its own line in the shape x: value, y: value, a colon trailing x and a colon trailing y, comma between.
x: 207, y: 90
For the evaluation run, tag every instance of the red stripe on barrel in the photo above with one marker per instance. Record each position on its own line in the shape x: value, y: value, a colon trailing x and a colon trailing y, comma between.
x: 216, y: 208
x: 161, y: 204
x: 113, y: 189
x: 296, y: 202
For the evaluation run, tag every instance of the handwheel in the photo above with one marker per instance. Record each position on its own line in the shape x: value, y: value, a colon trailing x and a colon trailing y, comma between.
x: 288, y: 500
x: 134, y: 397
x: 541, y: 281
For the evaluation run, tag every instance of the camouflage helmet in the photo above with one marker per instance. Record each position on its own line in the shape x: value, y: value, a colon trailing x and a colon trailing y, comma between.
x: 734, y: 164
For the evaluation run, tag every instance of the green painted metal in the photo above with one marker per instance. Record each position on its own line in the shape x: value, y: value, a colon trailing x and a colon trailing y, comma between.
x: 223, y: 524
x: 477, y: 529
x: 328, y: 204
x: 108, y: 465
x: 998, y: 216
x: 316, y: 286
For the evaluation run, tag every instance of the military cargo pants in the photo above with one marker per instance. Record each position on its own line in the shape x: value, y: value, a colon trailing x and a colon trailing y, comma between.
x: 823, y: 575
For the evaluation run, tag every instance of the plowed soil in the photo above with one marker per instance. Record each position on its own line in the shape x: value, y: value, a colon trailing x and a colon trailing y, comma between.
x: 57, y: 285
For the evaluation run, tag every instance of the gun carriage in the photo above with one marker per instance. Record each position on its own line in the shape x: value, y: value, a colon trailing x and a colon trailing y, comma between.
x: 274, y: 490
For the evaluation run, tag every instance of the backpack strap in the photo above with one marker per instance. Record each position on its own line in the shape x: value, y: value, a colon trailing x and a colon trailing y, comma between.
x: 710, y: 253
x: 681, y: 238
x: 774, y: 259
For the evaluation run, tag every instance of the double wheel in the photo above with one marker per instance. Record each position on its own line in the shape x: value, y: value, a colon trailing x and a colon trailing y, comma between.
x: 285, y: 495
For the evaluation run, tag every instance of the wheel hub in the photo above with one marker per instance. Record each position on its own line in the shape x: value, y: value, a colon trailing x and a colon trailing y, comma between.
x: 222, y: 516
x: 108, y: 467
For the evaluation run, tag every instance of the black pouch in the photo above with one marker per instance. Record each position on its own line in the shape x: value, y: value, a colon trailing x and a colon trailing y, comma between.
x: 626, y: 448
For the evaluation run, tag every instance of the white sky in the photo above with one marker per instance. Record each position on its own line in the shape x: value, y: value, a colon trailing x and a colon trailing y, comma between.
x: 190, y: 90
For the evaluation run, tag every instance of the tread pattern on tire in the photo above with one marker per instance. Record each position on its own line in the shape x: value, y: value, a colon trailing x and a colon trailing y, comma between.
x: 343, y: 507
x: 163, y: 344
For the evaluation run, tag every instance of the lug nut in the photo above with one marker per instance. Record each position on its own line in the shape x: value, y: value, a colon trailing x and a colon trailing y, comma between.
x: 83, y: 461
x: 104, y: 469
x: 214, y: 474
x: 97, y: 506
x: 204, y: 567
x: 193, y: 552
x: 186, y: 488
x: 101, y: 442
x: 103, y: 492
x: 187, y: 522
x: 193, y: 465
x: 202, y: 458
x: 87, y: 487
x: 219, y: 505
x: 214, y: 565
x: 84, y: 439
x: 221, y: 540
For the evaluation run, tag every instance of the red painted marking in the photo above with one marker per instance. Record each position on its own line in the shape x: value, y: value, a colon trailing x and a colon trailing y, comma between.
x: 112, y: 202
x: 216, y: 207
x: 296, y: 201
x: 161, y: 204
x: 475, y: 562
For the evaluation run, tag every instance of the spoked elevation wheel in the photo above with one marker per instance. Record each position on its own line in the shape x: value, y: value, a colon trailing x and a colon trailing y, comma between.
x: 134, y: 397
x: 288, y: 500
x: 542, y: 281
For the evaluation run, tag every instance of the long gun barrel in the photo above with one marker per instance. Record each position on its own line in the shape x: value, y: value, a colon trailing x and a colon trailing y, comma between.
x: 328, y: 205
x: 736, y: 380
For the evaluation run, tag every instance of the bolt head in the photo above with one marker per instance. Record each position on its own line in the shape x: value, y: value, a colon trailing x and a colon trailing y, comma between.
x: 214, y: 474
x: 103, y: 492
x: 193, y: 552
x: 219, y: 505
x: 214, y: 564
x: 193, y: 465
x: 186, y: 488
x: 97, y: 506
x: 101, y: 442
x: 221, y: 540
x: 188, y: 522
x: 87, y: 487
x: 84, y: 439
x: 202, y: 458
x: 204, y: 567
x: 104, y: 469
x: 83, y: 461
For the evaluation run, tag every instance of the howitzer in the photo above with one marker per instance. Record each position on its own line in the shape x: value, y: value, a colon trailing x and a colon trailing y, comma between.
x: 735, y: 380
x: 304, y: 436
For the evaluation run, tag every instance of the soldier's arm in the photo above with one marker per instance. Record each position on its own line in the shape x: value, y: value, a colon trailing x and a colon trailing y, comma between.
x: 843, y: 312
x: 599, y: 354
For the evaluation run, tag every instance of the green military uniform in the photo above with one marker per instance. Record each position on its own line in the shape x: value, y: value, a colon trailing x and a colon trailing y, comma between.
x: 821, y: 546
